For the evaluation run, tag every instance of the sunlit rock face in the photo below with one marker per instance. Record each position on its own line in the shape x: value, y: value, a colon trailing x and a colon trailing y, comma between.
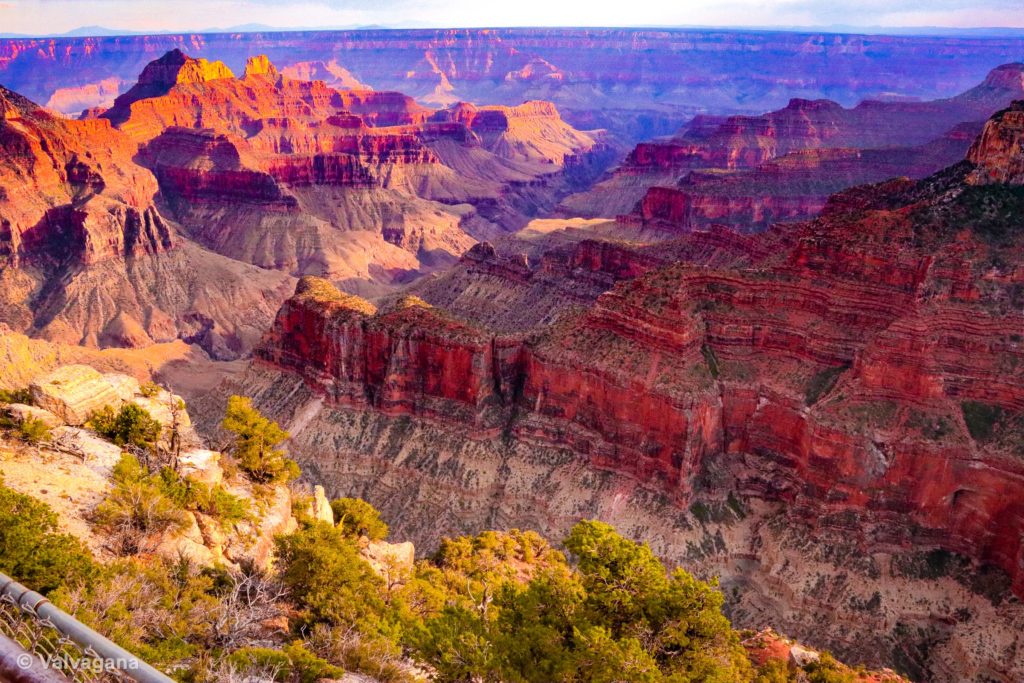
x: 224, y: 188
x: 87, y: 257
x: 355, y: 185
x: 997, y: 154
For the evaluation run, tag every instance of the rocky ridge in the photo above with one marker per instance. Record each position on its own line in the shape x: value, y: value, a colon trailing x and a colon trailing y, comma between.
x: 750, y: 172
x: 82, y: 244
x: 267, y: 174
x: 859, y: 370
x: 639, y: 83
x: 350, y: 184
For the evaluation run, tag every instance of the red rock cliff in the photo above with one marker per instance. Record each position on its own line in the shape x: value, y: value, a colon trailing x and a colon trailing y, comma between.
x: 865, y: 368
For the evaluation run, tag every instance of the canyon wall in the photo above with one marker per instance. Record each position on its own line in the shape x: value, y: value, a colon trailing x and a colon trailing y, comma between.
x: 855, y: 379
x: 367, y: 187
x: 87, y: 257
x: 198, y: 189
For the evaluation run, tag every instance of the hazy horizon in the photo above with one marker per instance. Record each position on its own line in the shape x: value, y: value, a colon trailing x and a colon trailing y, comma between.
x: 58, y: 17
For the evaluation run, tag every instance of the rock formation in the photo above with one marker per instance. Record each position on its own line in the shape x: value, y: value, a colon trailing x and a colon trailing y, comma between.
x: 997, y: 154
x: 354, y: 184
x: 78, y: 466
x: 82, y: 245
x: 861, y: 371
x: 264, y: 170
x: 73, y: 392
x: 750, y: 172
x: 159, y: 76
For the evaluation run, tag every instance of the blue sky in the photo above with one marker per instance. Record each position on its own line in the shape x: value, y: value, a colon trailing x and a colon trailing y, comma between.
x: 56, y: 16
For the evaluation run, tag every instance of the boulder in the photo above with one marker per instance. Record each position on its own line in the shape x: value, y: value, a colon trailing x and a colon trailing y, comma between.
x: 255, y: 540
x: 188, y: 543
x: 126, y: 386
x: 73, y: 392
x: 801, y: 656
x: 214, y: 537
x: 392, y: 561
x: 169, y: 409
x: 202, y: 465
x: 165, y: 408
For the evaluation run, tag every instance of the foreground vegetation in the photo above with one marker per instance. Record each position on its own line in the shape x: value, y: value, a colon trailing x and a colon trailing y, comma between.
x: 494, y: 607
x: 497, y: 607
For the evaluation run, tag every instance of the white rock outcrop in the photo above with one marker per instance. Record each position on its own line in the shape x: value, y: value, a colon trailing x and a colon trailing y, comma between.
x: 202, y: 465
x: 392, y: 561
x: 96, y: 453
x: 73, y: 392
x: 800, y: 656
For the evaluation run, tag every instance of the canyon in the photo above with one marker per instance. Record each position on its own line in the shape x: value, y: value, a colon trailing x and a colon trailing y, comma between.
x: 512, y: 278
x: 223, y: 189
x: 87, y: 258
x: 834, y: 406
x: 353, y: 185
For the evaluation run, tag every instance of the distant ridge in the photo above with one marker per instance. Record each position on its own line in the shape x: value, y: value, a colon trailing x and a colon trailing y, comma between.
x: 105, y: 32
x: 844, y: 29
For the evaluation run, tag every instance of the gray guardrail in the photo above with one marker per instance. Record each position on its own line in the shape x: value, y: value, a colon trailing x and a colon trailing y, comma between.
x: 113, y: 659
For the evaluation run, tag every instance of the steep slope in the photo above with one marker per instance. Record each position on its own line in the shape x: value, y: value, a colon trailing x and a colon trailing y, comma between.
x: 838, y: 406
x: 88, y: 259
x: 793, y: 187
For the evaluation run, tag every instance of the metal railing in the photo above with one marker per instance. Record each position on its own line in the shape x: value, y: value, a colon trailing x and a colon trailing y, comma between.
x: 54, y: 642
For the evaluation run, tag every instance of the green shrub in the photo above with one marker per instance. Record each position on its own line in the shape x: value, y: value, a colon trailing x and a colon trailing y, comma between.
x: 981, y: 419
x: 196, y: 496
x: 224, y: 506
x: 149, y: 389
x: 293, y: 663
x: 355, y: 517
x: 131, y: 425
x: 775, y: 671
x: 33, y: 430
x: 828, y: 670
x: 701, y: 512
x: 823, y: 382
x: 617, y: 615
x: 23, y: 396
x: 377, y: 657
x: 735, y: 505
x: 137, y: 514
x: 328, y: 579
x: 711, y: 359
x: 31, y: 548
x: 160, y: 609
x: 256, y: 441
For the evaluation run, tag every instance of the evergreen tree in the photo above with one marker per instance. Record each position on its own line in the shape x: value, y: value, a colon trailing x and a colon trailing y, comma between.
x: 256, y: 441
